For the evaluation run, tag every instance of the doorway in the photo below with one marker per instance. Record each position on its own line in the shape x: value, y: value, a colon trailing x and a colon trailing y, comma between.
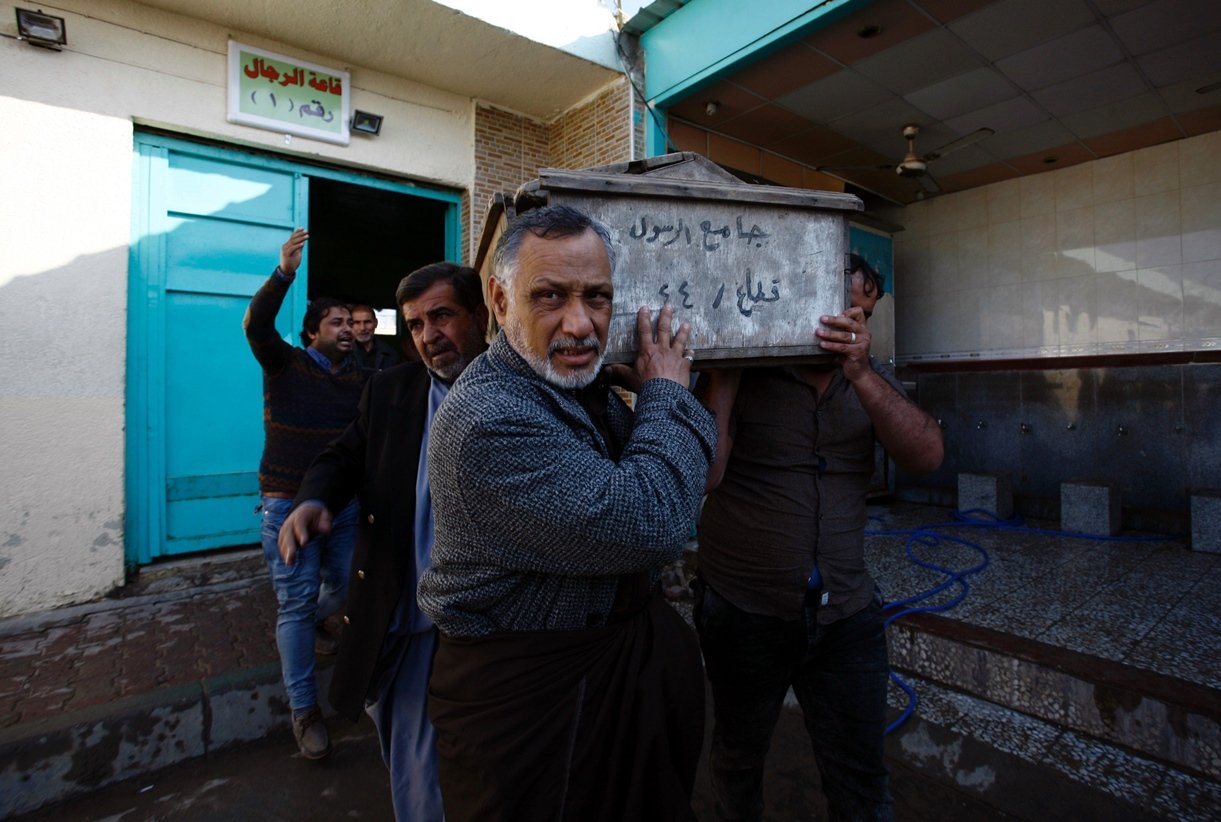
x: 363, y: 241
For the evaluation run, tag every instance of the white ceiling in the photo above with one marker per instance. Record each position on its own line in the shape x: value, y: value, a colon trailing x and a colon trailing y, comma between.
x: 419, y: 40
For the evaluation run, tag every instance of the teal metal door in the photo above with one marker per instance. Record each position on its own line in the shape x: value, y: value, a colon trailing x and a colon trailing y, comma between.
x: 209, y: 227
x: 208, y: 223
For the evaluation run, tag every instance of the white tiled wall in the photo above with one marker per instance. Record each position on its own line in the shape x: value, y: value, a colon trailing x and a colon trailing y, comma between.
x: 1118, y: 255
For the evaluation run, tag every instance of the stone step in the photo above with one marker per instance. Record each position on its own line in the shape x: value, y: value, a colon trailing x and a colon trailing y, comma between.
x: 1030, y: 769
x: 1134, y: 732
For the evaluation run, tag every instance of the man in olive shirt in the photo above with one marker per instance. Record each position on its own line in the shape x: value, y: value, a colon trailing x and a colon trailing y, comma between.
x: 784, y: 599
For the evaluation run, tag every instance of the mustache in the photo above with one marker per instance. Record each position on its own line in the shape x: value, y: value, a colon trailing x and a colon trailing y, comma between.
x: 591, y: 341
x: 439, y: 348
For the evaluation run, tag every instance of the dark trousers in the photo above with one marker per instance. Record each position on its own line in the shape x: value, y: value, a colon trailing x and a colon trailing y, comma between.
x: 839, y: 673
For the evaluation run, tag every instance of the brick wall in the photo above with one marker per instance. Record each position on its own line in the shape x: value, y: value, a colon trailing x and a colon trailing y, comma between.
x: 595, y: 133
x: 511, y: 148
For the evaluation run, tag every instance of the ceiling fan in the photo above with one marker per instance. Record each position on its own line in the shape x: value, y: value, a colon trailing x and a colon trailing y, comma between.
x: 915, y: 165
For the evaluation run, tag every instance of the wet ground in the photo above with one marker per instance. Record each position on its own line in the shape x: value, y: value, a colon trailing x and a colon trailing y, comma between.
x: 268, y: 780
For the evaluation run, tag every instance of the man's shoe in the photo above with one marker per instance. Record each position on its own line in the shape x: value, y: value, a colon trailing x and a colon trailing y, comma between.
x: 310, y: 730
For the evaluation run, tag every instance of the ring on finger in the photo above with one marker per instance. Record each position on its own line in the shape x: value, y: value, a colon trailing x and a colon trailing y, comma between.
x: 853, y: 337
x: 689, y: 355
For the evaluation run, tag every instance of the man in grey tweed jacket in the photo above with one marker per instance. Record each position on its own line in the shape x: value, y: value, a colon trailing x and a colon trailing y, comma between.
x: 563, y: 687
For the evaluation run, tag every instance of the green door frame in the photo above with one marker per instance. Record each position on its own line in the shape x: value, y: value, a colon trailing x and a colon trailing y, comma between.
x: 707, y: 40
x: 145, y: 475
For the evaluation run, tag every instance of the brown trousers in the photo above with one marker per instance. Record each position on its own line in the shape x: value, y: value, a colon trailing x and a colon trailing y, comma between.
x: 599, y: 724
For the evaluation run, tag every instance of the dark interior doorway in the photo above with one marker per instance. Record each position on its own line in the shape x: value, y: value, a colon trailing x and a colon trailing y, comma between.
x: 363, y: 240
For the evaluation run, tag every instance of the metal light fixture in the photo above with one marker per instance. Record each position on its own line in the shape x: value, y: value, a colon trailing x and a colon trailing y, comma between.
x: 45, y: 30
x: 366, y: 123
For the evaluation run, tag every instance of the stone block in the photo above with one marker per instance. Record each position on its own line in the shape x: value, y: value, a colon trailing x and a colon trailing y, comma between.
x: 1206, y: 521
x: 1090, y: 507
x: 990, y: 492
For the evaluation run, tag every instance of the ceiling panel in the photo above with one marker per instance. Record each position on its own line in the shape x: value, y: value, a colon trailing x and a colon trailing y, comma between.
x: 1011, y: 26
x: 1110, y: 8
x: 840, y: 94
x: 946, y: 11
x: 785, y: 70
x: 860, y: 156
x: 1007, y: 116
x: 814, y: 146
x: 882, y: 123
x: 1072, y: 55
x: 1166, y: 22
x: 1088, y: 91
x: 1198, y: 58
x: 1116, y: 116
x: 963, y: 93
x: 766, y: 125
x: 919, y: 62
x: 1183, y: 96
x: 895, y: 20
x: 730, y: 102
x: 1027, y: 140
x: 956, y: 161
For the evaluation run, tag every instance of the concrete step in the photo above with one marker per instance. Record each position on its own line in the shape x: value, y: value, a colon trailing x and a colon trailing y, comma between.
x: 1109, y: 730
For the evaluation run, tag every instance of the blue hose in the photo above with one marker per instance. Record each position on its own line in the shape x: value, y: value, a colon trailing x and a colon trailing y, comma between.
x: 930, y: 537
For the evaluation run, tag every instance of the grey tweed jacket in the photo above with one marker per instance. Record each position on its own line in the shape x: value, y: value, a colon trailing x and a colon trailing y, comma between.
x: 533, y: 519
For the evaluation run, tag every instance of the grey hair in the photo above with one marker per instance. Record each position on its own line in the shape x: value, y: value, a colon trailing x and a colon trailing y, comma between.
x: 549, y: 222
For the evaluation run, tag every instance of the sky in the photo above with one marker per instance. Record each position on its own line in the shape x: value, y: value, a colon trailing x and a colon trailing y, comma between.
x: 553, y: 22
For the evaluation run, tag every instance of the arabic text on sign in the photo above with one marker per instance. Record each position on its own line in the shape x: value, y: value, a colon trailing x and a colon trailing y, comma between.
x: 711, y: 236
x: 749, y: 297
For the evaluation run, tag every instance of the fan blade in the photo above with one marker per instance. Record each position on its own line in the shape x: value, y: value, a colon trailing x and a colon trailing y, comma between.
x: 961, y: 142
x: 884, y: 167
x: 929, y: 184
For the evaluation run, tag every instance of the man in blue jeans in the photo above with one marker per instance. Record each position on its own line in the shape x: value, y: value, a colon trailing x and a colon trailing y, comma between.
x: 783, y: 598
x: 309, y: 397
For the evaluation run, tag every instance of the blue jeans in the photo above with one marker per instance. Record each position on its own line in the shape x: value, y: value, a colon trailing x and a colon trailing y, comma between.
x: 839, y: 674
x: 308, y: 591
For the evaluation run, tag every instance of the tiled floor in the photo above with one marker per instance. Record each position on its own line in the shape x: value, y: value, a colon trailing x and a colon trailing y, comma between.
x: 1152, y: 604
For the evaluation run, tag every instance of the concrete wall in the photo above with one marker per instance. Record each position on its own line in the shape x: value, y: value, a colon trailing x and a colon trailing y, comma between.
x: 1117, y: 256
x: 65, y: 217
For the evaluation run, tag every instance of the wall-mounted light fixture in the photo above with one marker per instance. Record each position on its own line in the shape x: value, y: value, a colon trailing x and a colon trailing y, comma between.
x: 366, y: 123
x: 45, y: 30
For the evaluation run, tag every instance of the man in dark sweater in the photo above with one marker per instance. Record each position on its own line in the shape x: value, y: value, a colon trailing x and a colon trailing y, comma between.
x: 309, y: 397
